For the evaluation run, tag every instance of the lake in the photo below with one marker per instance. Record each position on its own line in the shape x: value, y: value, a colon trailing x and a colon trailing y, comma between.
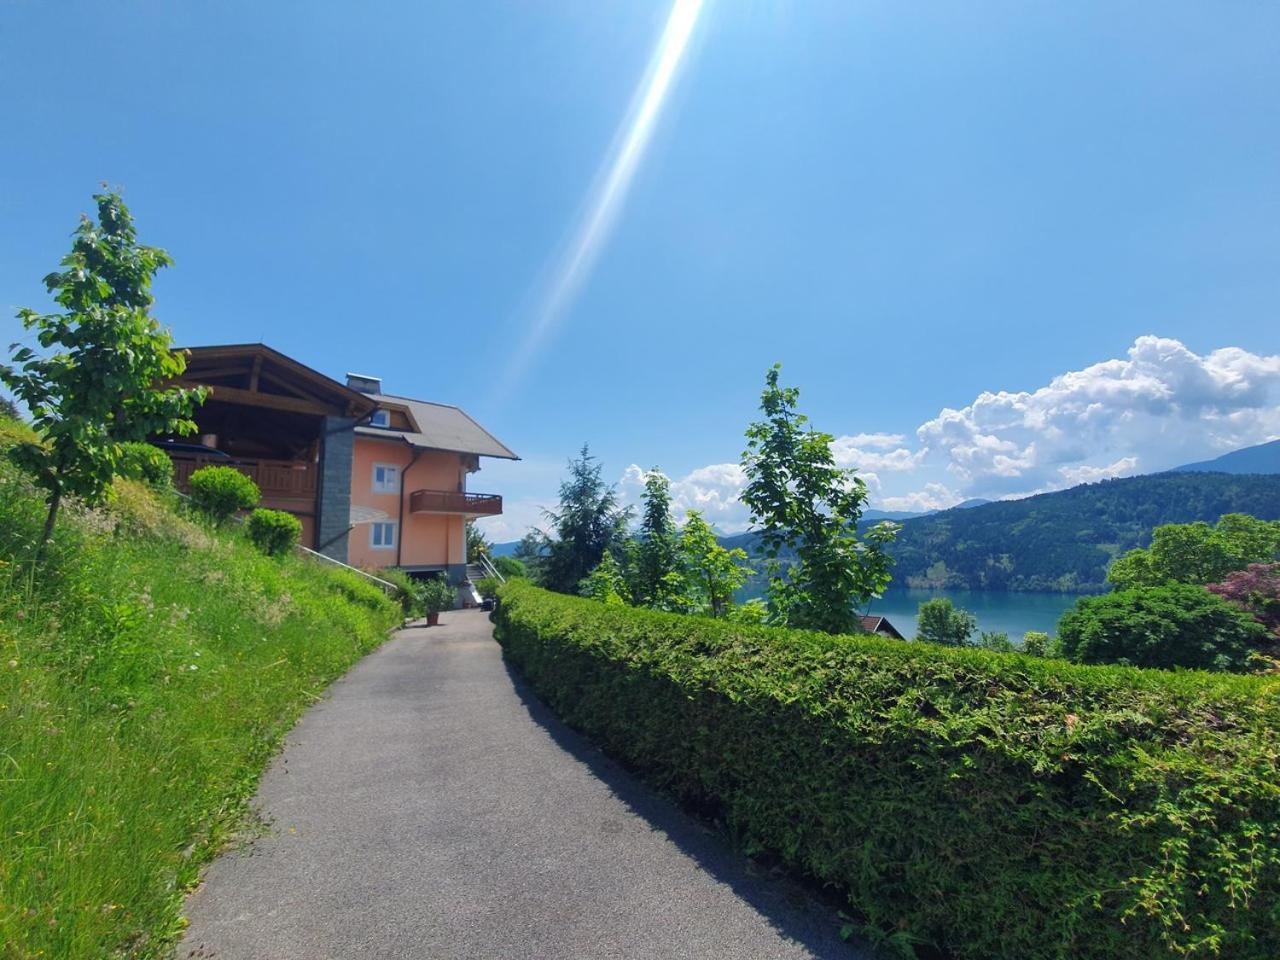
x: 997, y: 611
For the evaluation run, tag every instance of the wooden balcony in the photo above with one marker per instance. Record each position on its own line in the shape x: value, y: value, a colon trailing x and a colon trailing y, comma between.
x: 444, y: 501
x: 277, y: 479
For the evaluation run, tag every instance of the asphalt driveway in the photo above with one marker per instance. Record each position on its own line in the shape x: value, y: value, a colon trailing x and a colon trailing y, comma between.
x: 431, y: 807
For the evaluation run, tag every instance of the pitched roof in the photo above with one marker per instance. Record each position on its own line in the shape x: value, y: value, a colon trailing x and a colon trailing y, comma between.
x: 882, y: 626
x: 440, y: 427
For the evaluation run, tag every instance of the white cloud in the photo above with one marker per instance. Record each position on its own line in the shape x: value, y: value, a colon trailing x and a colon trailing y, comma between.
x: 1087, y: 474
x: 1161, y: 406
x: 1163, y: 403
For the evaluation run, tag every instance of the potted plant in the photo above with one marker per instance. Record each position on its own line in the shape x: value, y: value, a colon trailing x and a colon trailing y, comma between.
x: 437, y: 595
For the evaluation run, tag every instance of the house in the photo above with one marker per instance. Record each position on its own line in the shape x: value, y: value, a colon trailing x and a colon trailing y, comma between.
x: 377, y: 480
x: 881, y: 627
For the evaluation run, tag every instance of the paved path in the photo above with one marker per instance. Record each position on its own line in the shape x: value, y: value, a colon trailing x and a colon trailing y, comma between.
x: 431, y: 807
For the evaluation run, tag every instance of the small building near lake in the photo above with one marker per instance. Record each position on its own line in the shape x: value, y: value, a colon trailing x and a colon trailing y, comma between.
x: 881, y: 627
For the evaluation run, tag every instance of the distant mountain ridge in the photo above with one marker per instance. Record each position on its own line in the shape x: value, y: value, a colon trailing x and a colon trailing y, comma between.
x: 1061, y: 541
x: 1262, y: 458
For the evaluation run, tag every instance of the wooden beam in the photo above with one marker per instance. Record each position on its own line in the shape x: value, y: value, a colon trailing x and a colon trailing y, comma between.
x: 253, y: 373
x: 197, y: 373
x: 269, y: 400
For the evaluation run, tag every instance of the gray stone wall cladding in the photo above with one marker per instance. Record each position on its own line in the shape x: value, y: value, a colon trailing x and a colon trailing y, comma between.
x: 334, y: 507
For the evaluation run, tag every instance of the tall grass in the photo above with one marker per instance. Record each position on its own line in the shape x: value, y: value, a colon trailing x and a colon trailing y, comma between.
x: 147, y: 673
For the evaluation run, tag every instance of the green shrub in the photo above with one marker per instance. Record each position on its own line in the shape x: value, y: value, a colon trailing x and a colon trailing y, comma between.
x: 487, y: 587
x: 993, y: 805
x: 438, y: 594
x: 273, y: 531
x: 1178, y: 625
x: 221, y: 492
x: 142, y: 461
x: 510, y: 567
x: 409, y: 590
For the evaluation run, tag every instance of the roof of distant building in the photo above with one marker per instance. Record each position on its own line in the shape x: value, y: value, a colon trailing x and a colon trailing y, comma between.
x: 882, y: 626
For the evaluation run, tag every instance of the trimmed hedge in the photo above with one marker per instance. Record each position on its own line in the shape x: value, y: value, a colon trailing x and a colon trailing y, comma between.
x: 221, y: 492
x: 274, y: 532
x: 992, y: 805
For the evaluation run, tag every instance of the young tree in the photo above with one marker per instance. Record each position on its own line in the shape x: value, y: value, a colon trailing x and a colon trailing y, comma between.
x: 102, y: 382
x: 605, y: 583
x: 656, y: 579
x: 588, y: 523
x: 807, y: 508
x: 940, y: 621
x: 712, y: 573
x: 9, y: 409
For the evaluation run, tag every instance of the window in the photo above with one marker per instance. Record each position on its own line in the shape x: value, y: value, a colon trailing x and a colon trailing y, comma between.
x: 382, y: 536
x: 386, y: 478
x: 380, y: 418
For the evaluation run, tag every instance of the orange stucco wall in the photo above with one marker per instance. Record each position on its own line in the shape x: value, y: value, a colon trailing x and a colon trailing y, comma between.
x: 426, y: 539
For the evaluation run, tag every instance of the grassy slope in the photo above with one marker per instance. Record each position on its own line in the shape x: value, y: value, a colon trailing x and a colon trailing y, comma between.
x: 145, y: 681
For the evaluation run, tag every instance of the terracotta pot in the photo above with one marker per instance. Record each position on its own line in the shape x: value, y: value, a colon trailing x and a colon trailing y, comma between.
x: 433, y: 619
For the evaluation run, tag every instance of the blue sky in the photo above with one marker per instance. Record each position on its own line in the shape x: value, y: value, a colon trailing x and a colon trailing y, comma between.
x: 1001, y: 247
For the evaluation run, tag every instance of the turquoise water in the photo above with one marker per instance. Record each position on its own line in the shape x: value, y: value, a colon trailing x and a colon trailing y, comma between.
x: 997, y: 611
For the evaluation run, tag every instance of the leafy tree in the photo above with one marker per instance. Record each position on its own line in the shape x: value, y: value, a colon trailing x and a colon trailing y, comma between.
x: 656, y: 579
x: 606, y: 582
x: 1197, y: 552
x: 1176, y: 625
x: 477, y: 544
x: 510, y: 567
x: 1038, y: 644
x: 1256, y: 590
x: 940, y: 621
x: 712, y: 573
x: 588, y: 523
x: 807, y: 507
x: 101, y: 384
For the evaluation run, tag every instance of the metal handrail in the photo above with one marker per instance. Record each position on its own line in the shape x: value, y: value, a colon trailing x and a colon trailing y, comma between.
x: 487, y: 565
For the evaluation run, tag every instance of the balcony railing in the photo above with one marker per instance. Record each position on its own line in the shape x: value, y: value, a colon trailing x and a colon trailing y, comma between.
x: 444, y: 501
x: 277, y: 479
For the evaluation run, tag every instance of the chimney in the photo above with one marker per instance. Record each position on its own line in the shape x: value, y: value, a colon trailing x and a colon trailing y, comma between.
x: 358, y: 381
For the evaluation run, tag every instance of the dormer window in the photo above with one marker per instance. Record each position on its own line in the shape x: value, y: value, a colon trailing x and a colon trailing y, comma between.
x: 380, y: 418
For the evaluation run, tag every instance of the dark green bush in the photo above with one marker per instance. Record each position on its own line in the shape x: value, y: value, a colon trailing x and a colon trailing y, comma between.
x: 142, y: 461
x: 1178, y: 625
x: 223, y: 491
x: 273, y: 531
x: 994, y: 805
x: 487, y: 587
x: 510, y: 567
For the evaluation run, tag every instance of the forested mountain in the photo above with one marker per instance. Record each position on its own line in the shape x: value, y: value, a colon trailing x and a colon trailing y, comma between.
x: 1064, y: 540
x: 1263, y: 458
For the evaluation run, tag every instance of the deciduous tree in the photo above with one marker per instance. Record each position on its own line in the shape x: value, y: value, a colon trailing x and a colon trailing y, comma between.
x: 1197, y: 552
x: 941, y: 621
x: 101, y: 381
x: 712, y: 573
x: 807, y: 510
